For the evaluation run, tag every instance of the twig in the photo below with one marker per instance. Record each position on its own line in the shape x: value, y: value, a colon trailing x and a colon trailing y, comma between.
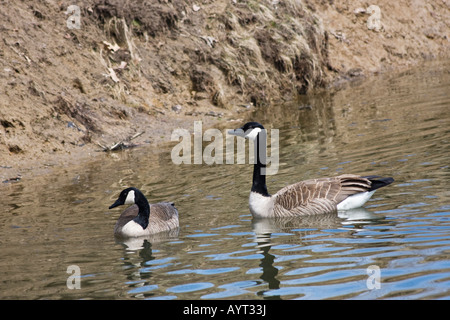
x: 121, y: 144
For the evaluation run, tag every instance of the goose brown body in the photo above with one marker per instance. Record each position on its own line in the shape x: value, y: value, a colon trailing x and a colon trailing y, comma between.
x: 317, y: 196
x: 163, y: 217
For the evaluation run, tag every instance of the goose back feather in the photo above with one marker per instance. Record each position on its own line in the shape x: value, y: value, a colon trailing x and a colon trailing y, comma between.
x: 321, y: 195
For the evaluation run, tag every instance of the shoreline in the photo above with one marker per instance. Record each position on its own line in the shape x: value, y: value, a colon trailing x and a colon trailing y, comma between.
x: 20, y: 168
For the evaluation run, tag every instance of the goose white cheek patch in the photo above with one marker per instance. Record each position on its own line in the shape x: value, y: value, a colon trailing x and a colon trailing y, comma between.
x: 130, y: 198
x: 253, y: 134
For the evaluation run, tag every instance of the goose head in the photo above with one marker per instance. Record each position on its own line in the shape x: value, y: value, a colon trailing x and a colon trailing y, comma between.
x: 250, y: 130
x: 127, y: 196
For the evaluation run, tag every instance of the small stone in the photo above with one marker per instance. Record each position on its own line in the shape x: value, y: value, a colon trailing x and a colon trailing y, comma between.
x: 177, y: 108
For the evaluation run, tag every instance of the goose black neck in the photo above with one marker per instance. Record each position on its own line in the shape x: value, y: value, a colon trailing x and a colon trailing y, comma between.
x: 259, y: 168
x: 144, y: 209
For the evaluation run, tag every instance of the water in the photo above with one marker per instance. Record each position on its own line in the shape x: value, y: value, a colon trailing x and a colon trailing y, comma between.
x: 395, y: 125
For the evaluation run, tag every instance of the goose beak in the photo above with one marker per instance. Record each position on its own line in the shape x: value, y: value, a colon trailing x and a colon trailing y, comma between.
x: 115, y: 204
x: 237, y: 132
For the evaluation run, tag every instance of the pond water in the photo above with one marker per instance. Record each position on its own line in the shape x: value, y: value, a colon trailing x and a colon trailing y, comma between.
x: 392, y: 125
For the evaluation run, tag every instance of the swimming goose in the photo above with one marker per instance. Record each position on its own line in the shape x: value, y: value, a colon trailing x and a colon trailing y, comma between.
x: 142, y: 218
x: 308, y: 197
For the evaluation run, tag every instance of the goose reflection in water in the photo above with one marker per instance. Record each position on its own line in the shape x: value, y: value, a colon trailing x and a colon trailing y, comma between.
x: 264, y: 228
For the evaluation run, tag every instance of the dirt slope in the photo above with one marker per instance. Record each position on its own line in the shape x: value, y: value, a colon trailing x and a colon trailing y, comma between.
x: 149, y: 66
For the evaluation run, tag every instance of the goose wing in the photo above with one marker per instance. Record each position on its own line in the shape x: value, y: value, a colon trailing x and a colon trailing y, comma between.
x: 163, y: 216
x: 318, y: 195
x: 164, y: 210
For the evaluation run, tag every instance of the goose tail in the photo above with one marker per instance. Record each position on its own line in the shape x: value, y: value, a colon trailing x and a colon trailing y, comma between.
x: 378, y: 182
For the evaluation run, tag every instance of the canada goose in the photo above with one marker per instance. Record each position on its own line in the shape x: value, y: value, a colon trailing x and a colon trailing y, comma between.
x: 323, y: 195
x: 142, y: 218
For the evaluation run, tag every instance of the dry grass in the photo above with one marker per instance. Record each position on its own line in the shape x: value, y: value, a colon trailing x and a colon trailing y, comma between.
x: 271, y: 54
x: 265, y: 51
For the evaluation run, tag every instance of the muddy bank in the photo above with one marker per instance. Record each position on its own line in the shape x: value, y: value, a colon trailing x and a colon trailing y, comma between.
x: 69, y: 86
